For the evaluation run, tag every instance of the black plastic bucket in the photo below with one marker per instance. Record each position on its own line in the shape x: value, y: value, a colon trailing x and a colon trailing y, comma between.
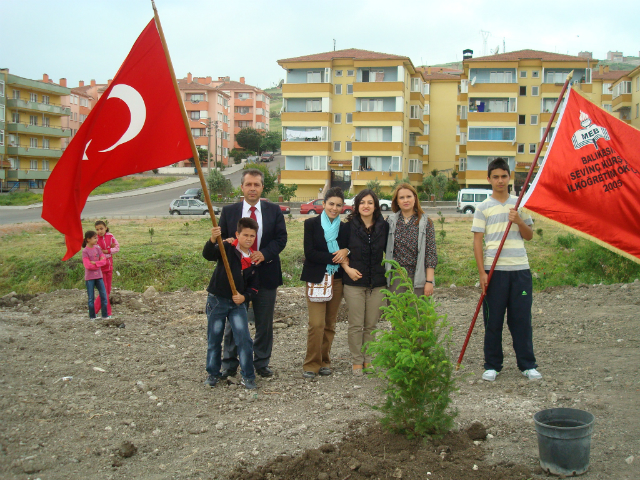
x: 564, y: 440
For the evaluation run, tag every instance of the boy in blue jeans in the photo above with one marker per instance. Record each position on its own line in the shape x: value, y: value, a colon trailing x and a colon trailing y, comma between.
x: 223, y: 305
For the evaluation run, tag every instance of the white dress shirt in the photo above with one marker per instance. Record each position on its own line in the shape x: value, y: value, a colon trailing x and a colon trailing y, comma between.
x: 247, y: 213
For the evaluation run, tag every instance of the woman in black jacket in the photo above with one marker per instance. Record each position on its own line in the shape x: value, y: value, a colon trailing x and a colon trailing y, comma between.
x: 364, y: 279
x: 324, y: 251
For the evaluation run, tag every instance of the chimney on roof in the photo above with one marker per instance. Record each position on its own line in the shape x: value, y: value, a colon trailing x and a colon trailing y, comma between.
x: 109, y: 81
x: 63, y: 82
x: 241, y: 79
x: 209, y: 79
x: 429, y: 71
x: 45, y: 78
x: 202, y: 80
x: 93, y: 82
x: 81, y: 83
x: 606, y: 69
x: 189, y: 77
x: 467, y: 53
x: 600, y: 69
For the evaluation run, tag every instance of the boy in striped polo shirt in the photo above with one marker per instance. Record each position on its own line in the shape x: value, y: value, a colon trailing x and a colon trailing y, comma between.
x: 511, y: 286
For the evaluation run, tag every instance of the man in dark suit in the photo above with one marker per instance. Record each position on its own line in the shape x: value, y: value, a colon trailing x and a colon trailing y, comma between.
x: 271, y: 240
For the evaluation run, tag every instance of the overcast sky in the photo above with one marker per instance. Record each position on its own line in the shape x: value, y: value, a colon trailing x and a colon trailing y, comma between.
x: 81, y: 40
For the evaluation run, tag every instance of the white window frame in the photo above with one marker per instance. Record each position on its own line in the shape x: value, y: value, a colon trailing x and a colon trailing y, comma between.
x: 532, y: 148
x: 606, y: 88
x: 350, y: 73
x: 347, y: 146
x: 315, y: 103
x: 33, y: 164
x: 46, y: 143
x: 337, y: 90
x: 337, y: 118
x: 2, y: 112
x: 425, y: 131
x: 415, y: 112
x: 2, y: 137
x: 535, y: 90
x: 338, y: 73
x: 33, y: 120
x: 415, y: 165
x: 46, y: 99
x: 426, y: 109
x: 425, y: 88
x: 462, y: 164
x: 312, y: 75
x: 520, y: 149
x: 349, y: 88
x: 336, y: 146
x: 415, y: 84
x: 396, y: 164
x: 33, y: 97
x: 535, y: 74
x: 376, y: 132
x: 33, y: 142
x: 1, y: 88
x: 348, y: 118
x: 523, y: 74
x: 534, y: 119
x: 45, y: 165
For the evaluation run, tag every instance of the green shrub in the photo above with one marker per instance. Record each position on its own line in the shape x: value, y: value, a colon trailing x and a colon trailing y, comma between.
x: 414, y: 360
x: 449, y: 196
x: 567, y: 241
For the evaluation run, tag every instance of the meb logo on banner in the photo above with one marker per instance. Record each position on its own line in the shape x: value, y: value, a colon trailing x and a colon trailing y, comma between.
x: 589, y: 133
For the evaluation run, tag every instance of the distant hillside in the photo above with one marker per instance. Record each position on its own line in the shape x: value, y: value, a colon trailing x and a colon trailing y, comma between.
x: 275, y: 124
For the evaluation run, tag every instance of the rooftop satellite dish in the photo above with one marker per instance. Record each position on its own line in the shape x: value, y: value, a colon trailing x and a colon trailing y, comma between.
x: 473, y: 81
x: 497, y: 50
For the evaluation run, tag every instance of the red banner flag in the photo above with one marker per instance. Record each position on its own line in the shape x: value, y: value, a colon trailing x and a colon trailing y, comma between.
x: 137, y: 125
x: 590, y: 178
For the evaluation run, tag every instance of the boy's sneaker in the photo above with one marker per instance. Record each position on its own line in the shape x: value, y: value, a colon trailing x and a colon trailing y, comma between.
x: 532, y: 374
x: 489, y: 375
x: 211, y: 381
x: 248, y: 383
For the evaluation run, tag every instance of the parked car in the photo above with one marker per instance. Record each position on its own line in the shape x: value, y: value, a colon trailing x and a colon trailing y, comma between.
x: 470, y: 198
x: 193, y: 193
x: 190, y: 206
x: 315, y: 207
x: 385, y: 205
x: 253, y: 159
x: 283, y: 208
x: 266, y: 157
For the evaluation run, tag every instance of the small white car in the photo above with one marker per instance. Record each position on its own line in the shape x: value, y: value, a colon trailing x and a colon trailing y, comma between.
x: 385, y: 205
x: 184, y: 206
x: 470, y: 198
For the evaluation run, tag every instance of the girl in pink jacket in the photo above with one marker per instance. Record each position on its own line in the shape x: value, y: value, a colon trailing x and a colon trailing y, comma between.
x: 109, y: 245
x: 93, y: 260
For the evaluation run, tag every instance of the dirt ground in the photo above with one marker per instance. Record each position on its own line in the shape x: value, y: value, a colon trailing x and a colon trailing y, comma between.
x: 83, y: 399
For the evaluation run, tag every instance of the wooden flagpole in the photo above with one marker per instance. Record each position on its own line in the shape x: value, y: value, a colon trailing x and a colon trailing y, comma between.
x: 506, y: 232
x: 194, y: 150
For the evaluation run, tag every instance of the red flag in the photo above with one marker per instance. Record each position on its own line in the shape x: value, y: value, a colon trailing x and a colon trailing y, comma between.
x: 590, y: 179
x: 137, y: 125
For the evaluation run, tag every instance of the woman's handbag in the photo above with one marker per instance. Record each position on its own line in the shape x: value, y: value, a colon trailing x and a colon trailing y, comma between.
x: 321, y: 292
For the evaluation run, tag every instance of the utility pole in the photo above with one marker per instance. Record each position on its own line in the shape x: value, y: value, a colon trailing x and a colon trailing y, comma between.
x: 208, y: 125
x: 215, y: 143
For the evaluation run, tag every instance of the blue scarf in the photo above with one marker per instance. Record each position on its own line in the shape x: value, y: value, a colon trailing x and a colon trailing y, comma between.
x: 331, y: 230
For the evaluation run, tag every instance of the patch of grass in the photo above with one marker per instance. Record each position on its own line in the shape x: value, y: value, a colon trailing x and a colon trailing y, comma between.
x: 174, y: 260
x: 123, y: 184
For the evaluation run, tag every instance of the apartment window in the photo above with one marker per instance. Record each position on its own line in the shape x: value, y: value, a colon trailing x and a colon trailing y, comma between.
x: 350, y: 89
x: 15, y: 163
x: 500, y: 77
x: 314, y: 77
x: 395, y: 164
x: 243, y: 95
x: 535, y: 74
x: 336, y: 146
x: 45, y: 165
x: 197, y: 132
x: 315, y: 163
x: 462, y: 165
x: 338, y: 89
x: 415, y: 85
x: 1, y: 88
x: 371, y: 134
x: 82, y: 118
x: 46, y: 120
x: 33, y: 120
x: 371, y: 75
x: 637, y: 83
x: 33, y: 142
x: 637, y: 109
x: 532, y: 147
x: 347, y: 146
x: 426, y: 109
x: 45, y: 143
x: 349, y: 118
x: 425, y: 149
x: 1, y: 138
x: 245, y: 124
x: 606, y: 88
x: 1, y: 113
x: 523, y: 91
x: 314, y: 105
x: 338, y: 73
x: 33, y: 165
x: 350, y: 73
x: 16, y: 94
x: 75, y: 116
x: 521, y: 148
x: 15, y: 117
x: 196, y: 97
x: 534, y: 119
x: 416, y: 112
x: 500, y: 134
x: 33, y: 97
x: 426, y: 129
x: 522, y: 119
x: 523, y: 74
x: 556, y: 77
x: 548, y: 104
x: 45, y: 99
x: 535, y: 91
x: 425, y: 88
x: 463, y: 138
x: 607, y: 107
x: 84, y: 102
x: 242, y: 110
x: 412, y: 139
x: 337, y: 118
x: 415, y: 166
x: 371, y: 105
x: 194, y: 115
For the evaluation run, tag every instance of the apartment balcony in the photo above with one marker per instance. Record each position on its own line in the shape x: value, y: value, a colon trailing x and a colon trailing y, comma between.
x: 494, y: 89
x: 49, y: 109
x: 422, y: 140
x: 490, y: 148
x: 377, y: 148
x: 416, y: 125
x: 415, y: 150
x: 378, y: 89
x: 545, y: 117
x: 25, y: 128
x: 551, y: 88
x: 243, y: 116
x: 16, y: 175
x: 260, y: 104
x: 306, y: 117
x: 309, y: 177
x: 426, y: 118
x: 501, y: 117
x: 416, y: 178
x: 305, y: 148
x: 385, y: 178
x: 462, y: 149
x: 624, y: 114
x: 306, y: 89
x: 621, y: 101
x: 462, y: 97
x: 24, y: 151
x: 462, y: 123
x: 417, y: 97
x: 378, y: 118
x: 196, y: 105
x: 248, y: 102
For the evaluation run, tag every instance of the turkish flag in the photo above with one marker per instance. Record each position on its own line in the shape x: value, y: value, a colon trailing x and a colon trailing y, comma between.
x: 590, y: 178
x: 137, y: 125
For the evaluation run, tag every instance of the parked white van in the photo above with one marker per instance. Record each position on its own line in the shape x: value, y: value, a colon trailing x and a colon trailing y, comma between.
x: 470, y: 198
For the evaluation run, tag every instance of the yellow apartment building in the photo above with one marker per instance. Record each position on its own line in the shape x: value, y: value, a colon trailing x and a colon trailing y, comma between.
x: 599, y: 91
x: 504, y: 106
x: 349, y: 117
x: 625, y: 98
x: 31, y: 130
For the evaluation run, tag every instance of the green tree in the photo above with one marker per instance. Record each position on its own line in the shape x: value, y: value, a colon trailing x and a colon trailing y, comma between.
x: 287, y: 191
x: 249, y: 139
x: 374, y: 186
x: 435, y: 185
x: 203, y: 154
x: 218, y: 184
x: 270, y: 179
x: 434, y: 172
x: 398, y: 181
x: 271, y: 141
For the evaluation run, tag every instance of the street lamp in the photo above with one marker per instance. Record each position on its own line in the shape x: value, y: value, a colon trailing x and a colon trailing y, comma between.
x: 215, y: 142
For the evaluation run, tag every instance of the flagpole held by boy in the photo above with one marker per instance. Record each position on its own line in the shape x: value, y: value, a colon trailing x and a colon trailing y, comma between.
x: 506, y: 232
